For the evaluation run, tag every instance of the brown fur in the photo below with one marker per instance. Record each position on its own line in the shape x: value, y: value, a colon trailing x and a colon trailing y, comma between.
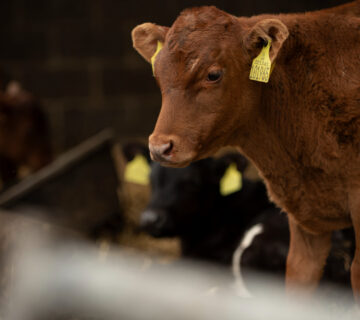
x: 24, y: 134
x: 301, y: 130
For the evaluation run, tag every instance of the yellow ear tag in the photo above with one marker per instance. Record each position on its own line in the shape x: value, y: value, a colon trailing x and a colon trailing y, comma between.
x: 158, y: 49
x: 231, y: 181
x: 138, y: 171
x: 261, y: 65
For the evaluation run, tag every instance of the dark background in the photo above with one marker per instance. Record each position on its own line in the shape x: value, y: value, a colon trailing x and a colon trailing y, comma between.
x: 77, y: 56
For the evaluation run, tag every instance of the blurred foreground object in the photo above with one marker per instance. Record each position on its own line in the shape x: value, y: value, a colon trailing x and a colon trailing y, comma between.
x: 72, y: 280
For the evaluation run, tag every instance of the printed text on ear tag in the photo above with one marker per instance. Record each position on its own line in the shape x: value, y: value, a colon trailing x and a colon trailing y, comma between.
x: 158, y: 49
x: 137, y: 171
x: 231, y: 181
x: 261, y: 65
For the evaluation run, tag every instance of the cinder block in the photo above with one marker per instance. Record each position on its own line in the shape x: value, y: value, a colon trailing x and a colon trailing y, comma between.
x: 26, y: 45
x: 75, y: 40
x: 80, y: 123
x: 118, y: 81
x: 151, y: 11
x: 57, y: 83
x: 45, y: 10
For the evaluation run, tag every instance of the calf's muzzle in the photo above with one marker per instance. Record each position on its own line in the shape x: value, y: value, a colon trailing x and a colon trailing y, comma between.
x: 171, y: 150
x: 160, y: 149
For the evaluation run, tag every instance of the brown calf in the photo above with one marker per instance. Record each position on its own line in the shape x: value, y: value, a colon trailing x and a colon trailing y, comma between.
x: 301, y: 129
x: 24, y: 133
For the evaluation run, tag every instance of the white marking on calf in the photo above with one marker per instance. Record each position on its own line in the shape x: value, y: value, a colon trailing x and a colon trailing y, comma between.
x: 245, y: 242
x: 194, y: 63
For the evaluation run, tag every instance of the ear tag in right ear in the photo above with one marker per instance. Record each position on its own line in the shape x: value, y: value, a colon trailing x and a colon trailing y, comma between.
x: 138, y: 171
x: 261, y: 65
x: 231, y: 181
x: 158, y: 49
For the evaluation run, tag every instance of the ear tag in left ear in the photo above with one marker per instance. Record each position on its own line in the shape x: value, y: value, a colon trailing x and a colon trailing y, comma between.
x: 261, y: 65
x: 158, y: 49
x: 137, y: 171
x: 231, y: 181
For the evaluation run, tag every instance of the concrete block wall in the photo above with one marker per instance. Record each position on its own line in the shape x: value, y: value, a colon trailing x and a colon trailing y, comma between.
x: 77, y: 56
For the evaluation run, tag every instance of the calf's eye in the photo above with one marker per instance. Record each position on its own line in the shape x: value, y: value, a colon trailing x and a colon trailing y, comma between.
x: 214, y: 76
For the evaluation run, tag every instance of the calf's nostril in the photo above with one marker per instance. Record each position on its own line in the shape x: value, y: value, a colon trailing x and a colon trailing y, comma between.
x: 159, y: 152
x: 164, y: 149
x: 168, y: 149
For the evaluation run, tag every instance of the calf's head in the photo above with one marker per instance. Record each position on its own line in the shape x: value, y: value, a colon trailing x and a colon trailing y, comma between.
x: 203, y: 73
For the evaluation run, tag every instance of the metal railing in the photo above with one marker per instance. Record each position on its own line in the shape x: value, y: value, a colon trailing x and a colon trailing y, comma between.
x: 52, y: 278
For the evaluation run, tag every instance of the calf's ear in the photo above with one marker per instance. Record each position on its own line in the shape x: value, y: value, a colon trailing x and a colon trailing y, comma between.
x: 145, y: 38
x: 263, y: 31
